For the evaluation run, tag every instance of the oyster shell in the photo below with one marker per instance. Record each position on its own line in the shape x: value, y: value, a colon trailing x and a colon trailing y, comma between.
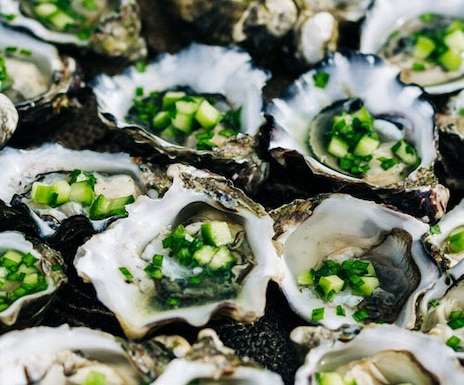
x: 27, y: 309
x: 119, y: 174
x: 205, y: 70
x: 40, y: 81
x: 47, y: 355
x: 109, y: 28
x: 142, y: 303
x: 209, y: 360
x: 441, y: 308
x: 387, y: 31
x: 381, y: 354
x: 8, y: 119
x: 301, y: 119
x: 341, y: 228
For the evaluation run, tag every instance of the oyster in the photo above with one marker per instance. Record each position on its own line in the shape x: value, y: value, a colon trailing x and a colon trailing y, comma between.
x: 380, y: 354
x: 112, y: 176
x: 149, y: 272
x: 31, y: 274
x: 343, y: 10
x: 444, y: 240
x: 441, y: 309
x: 405, y: 34
x: 197, y: 71
x: 320, y: 107
x: 325, y: 237
x: 38, y: 80
x: 109, y: 28
x: 209, y: 361
x: 8, y: 119
x: 62, y: 355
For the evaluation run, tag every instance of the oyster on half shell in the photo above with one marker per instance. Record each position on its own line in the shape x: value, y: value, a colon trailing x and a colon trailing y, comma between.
x: 159, y: 287
x: 38, y: 80
x: 305, y: 116
x: 335, y: 229
x: 391, y: 28
x: 205, y: 70
x: 379, y: 354
x: 8, y: 119
x: 108, y: 27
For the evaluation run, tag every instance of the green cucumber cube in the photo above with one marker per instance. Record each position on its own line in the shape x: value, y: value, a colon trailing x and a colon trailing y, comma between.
x: 95, y: 378
x: 61, y: 20
x: 82, y: 192
x: 455, y: 40
x: 423, y: 48
x: 161, y: 120
x: 204, y: 255
x: 41, y: 193
x: 369, y: 284
x: 405, y: 152
x: 207, y: 115
x: 451, y: 60
x: 305, y: 278
x: 103, y: 207
x: 222, y: 259
x: 366, y: 146
x: 45, y: 10
x: 216, y: 233
x: 331, y: 282
x: 189, y: 106
x: 171, y: 97
x: 31, y: 279
x: 456, y: 240
x: 183, y: 122
x: 337, y: 147
x: 61, y: 191
x: 329, y: 378
x: 11, y: 258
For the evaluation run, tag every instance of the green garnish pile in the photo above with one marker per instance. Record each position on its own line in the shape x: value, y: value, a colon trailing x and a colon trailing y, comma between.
x: 175, y: 115
x: 455, y: 321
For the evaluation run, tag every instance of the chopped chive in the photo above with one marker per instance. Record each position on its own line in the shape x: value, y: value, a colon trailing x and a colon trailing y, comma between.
x: 8, y: 16
x: 387, y: 163
x: 126, y: 273
x: 461, y: 112
x: 340, y: 311
x: 360, y: 315
x: 434, y: 303
x: 418, y: 67
x: 173, y: 301
x: 157, y: 260
x: 195, y: 280
x: 453, y: 342
x: 435, y: 229
x: 318, y: 314
x: 139, y: 91
x: 140, y: 66
x: 456, y: 323
x: 321, y: 79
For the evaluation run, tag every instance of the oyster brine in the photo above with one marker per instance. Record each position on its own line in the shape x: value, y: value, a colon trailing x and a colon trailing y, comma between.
x: 351, y: 261
x: 204, y: 80
x: 154, y: 269
x: 109, y: 28
x: 352, y: 121
x: 422, y: 38
x: 38, y: 80
x: 57, y: 184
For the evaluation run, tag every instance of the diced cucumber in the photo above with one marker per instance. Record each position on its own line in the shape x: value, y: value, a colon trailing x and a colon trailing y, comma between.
x: 204, y: 255
x: 11, y: 257
x: 95, y: 378
x: 3, y: 272
x: 405, y: 152
x: 305, y: 278
x: 456, y: 240
x: 103, y: 207
x: 27, y: 270
x: 171, y: 97
x: 216, y: 233
x: 61, y: 190
x: 31, y: 279
x: 183, y: 122
x: 337, y: 147
x: 451, y: 60
x: 161, y: 120
x: 363, y: 115
x: 423, y: 48
x: 188, y: 107
x: 331, y: 283
x: 329, y: 378
x: 82, y: 192
x: 366, y: 146
x: 367, y: 287
x: 45, y: 10
x: 207, y: 115
x: 52, y: 195
x: 61, y: 20
x: 222, y: 259
x: 41, y: 193
x: 455, y: 40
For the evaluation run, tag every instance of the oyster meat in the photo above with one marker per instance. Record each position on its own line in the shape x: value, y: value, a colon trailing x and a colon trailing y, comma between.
x: 311, y: 116
x: 8, y: 118
x: 107, y: 27
x: 380, y: 354
x: 415, y: 36
x: 198, y: 71
x: 331, y: 232
x: 155, y: 268
x: 111, y: 176
x: 38, y: 80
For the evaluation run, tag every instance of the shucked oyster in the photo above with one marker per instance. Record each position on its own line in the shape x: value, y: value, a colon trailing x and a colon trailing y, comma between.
x: 46, y: 178
x: 351, y: 120
x: 350, y: 261
x: 8, y: 118
x: 202, y: 106
x: 105, y: 26
x: 37, y: 79
x: 424, y: 38
x: 203, y: 248
x: 381, y: 354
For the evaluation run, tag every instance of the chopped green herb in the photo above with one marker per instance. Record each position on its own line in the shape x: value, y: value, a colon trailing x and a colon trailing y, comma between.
x: 321, y: 79
x: 126, y: 273
x: 173, y: 301
x: 418, y: 66
x: 340, y: 311
x: 461, y: 112
x: 318, y: 314
x: 453, y: 342
x: 360, y: 315
x: 140, y: 66
x: 434, y: 303
x: 8, y: 16
x: 435, y: 229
